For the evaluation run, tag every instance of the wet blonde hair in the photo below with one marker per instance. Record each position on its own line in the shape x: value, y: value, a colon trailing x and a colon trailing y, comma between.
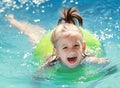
x: 70, y: 18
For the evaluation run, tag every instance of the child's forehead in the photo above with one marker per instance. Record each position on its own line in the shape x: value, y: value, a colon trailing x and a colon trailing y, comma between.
x: 68, y: 41
x: 75, y: 38
x: 71, y: 34
x: 69, y: 38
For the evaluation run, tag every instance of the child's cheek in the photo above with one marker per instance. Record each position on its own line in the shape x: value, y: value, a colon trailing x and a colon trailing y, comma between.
x: 63, y: 54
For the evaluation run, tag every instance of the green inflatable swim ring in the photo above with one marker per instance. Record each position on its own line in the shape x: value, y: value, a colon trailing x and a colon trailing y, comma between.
x: 45, y: 47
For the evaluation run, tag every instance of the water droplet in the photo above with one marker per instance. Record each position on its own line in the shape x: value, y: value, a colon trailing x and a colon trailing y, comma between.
x: 76, y: 3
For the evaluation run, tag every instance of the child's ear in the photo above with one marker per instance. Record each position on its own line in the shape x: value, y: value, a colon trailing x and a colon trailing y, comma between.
x: 55, y: 52
x: 83, y: 46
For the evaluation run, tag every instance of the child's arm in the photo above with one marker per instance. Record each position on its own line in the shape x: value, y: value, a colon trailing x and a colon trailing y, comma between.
x: 96, y: 60
x: 33, y: 31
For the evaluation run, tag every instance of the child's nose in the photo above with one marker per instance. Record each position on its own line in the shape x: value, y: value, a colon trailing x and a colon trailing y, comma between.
x: 71, y: 50
x: 72, y: 53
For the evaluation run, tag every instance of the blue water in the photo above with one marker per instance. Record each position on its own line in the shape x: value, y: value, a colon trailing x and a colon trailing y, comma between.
x: 17, y: 62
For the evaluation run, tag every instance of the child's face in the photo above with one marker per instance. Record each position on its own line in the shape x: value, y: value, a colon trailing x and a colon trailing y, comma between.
x: 70, y: 49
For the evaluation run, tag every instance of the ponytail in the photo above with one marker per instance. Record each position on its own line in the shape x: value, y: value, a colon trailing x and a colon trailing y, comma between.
x: 71, y: 16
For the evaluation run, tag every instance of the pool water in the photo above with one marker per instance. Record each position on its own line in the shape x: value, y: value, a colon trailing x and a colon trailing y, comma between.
x: 17, y: 61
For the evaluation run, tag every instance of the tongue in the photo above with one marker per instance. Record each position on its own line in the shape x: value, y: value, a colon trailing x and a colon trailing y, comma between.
x: 72, y: 59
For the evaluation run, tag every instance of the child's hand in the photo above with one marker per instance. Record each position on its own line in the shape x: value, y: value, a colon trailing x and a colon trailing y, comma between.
x: 10, y: 17
x: 14, y: 22
x: 96, y: 60
x: 102, y: 61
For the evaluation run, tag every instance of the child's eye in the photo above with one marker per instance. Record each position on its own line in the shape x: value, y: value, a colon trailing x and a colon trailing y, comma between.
x: 65, y: 47
x: 76, y: 45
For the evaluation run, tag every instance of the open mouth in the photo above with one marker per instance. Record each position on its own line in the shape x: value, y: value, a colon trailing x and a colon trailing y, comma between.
x: 72, y: 59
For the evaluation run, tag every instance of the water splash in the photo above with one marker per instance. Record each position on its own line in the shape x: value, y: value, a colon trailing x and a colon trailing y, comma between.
x: 18, y: 4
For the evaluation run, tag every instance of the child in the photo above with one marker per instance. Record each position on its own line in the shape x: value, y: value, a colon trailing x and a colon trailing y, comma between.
x: 67, y: 39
